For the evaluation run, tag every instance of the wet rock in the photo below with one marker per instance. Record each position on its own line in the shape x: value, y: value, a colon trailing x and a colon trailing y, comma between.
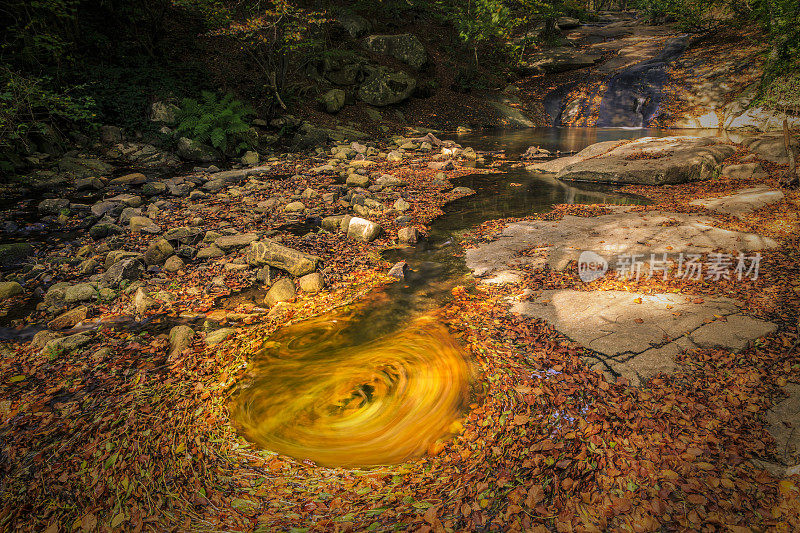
x: 53, y: 206
x: 311, y: 283
x: 69, y: 319
x: 42, y: 338
x: 363, y: 229
x: 180, y: 338
x: 556, y: 60
x: 158, y: 252
x: 142, y: 155
x: 142, y: 302
x: 9, y: 289
x: 268, y: 252
x: 281, y: 291
x: 465, y: 191
x: 130, y: 200
x: 651, y: 161
x: 174, y: 264
x: 125, y: 270
x: 94, y: 184
x: 409, y: 235
x: 399, y: 270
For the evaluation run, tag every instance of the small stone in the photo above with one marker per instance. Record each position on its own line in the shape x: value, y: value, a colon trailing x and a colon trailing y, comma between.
x: 281, y: 291
x: 87, y: 267
x: 41, y: 339
x: 217, y: 336
x: 312, y: 283
x: 158, y: 252
x: 136, y: 178
x: 264, y: 275
x: 408, y: 235
x: 401, y: 205
x: 80, y: 293
x: 154, y: 188
x: 294, y: 207
x: 142, y: 302
x: 250, y: 158
x: 174, y: 264
x: 399, y: 270
x: 180, y: 338
x: 232, y: 242
x: 125, y: 270
x: 9, y: 289
x: 363, y: 229
x: 210, y: 252
x: 357, y: 180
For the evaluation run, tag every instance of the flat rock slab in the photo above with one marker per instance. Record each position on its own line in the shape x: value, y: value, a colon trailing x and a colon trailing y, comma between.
x: 557, y: 242
x: 741, y: 202
x: 639, y: 335
x: 648, y: 161
x: 783, y: 423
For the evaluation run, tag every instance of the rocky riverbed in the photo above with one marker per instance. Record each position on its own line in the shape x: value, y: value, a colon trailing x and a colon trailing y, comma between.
x: 130, y: 321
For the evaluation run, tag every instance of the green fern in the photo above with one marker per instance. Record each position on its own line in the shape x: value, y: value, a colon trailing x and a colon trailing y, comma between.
x: 220, y: 122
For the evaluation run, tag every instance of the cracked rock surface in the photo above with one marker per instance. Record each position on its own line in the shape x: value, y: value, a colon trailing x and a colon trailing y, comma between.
x: 639, y: 335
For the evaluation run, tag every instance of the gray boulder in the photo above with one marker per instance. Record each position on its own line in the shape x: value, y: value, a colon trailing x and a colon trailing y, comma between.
x: 363, y: 230
x: 9, y: 289
x: 267, y: 252
x: 650, y: 161
x: 125, y: 270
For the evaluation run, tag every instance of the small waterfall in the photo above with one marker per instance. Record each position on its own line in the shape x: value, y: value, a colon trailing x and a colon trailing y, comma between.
x: 629, y: 98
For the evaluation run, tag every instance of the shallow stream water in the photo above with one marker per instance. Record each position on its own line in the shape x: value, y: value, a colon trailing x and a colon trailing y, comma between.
x: 381, y: 382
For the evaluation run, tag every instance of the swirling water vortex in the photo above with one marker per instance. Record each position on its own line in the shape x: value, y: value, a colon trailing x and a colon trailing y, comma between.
x: 321, y: 392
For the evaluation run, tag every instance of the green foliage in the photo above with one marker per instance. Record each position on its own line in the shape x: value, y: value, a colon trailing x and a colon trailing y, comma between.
x: 220, y: 122
x: 29, y: 107
x: 783, y: 92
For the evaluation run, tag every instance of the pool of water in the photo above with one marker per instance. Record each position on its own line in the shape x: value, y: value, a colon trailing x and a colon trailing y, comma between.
x: 381, y: 382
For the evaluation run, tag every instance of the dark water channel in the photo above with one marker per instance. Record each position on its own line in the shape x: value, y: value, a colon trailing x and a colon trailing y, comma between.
x: 381, y: 382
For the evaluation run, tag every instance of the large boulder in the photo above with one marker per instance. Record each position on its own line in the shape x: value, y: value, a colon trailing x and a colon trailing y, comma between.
x: 281, y: 291
x: 405, y: 47
x: 194, y: 151
x: 386, y: 87
x: 650, y: 161
x: 770, y: 146
x: 268, y: 252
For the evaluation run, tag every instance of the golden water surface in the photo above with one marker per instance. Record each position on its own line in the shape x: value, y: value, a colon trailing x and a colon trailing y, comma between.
x: 330, y: 391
